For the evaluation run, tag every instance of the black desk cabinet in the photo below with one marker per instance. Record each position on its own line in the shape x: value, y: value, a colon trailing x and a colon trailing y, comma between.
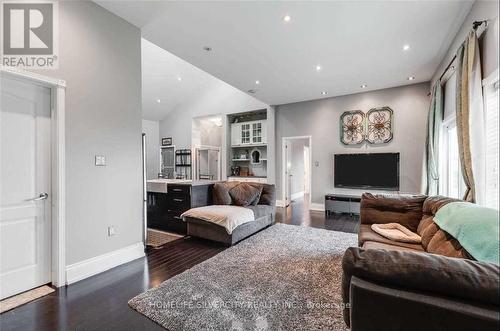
x: 165, y: 209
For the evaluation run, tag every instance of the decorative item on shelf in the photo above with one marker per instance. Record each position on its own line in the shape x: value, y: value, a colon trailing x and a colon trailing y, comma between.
x: 244, y: 155
x: 379, y: 125
x: 166, y: 141
x: 244, y: 172
x: 255, y: 156
x: 235, y: 171
x: 352, y: 127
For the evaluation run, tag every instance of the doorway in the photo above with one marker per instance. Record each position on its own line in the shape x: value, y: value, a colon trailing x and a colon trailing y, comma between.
x: 206, y: 138
x: 32, y: 182
x: 207, y: 165
x: 296, y: 169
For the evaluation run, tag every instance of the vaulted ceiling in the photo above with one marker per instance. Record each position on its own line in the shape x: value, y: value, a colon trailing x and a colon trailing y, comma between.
x: 297, y: 50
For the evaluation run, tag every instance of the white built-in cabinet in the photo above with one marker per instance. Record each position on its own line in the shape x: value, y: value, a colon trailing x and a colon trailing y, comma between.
x: 262, y: 180
x: 249, y: 133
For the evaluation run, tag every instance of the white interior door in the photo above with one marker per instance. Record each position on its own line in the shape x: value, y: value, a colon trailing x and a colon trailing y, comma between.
x: 25, y: 192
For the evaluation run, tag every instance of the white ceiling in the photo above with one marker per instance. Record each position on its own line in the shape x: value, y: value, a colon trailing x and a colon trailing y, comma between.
x: 355, y: 42
x: 160, y: 81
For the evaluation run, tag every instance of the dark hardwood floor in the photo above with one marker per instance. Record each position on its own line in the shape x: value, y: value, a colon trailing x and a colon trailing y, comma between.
x: 298, y: 213
x: 100, y: 302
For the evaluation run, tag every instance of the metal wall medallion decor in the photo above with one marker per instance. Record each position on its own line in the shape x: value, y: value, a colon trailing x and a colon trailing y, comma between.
x: 352, y: 127
x: 379, y: 125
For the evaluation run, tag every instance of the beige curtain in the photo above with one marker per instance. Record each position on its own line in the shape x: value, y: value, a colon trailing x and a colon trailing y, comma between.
x: 434, y: 122
x: 470, y: 118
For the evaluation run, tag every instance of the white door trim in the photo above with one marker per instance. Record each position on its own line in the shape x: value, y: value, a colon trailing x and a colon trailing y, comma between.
x: 194, y: 151
x: 58, y: 89
x: 283, y: 165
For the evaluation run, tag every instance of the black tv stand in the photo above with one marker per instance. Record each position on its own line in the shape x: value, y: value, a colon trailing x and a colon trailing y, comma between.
x: 342, y: 204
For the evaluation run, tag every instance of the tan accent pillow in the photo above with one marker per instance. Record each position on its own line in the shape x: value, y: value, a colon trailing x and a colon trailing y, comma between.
x: 243, y: 194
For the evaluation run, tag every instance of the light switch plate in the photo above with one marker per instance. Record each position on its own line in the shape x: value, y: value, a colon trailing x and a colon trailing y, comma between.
x: 100, y: 160
x: 111, y: 231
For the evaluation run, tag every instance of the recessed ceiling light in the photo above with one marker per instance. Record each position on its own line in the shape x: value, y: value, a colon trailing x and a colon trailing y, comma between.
x: 411, y: 78
x: 252, y: 91
x: 207, y: 48
x: 179, y: 79
x: 406, y: 47
x: 257, y: 82
x: 287, y: 18
x: 364, y: 86
x: 324, y: 92
x: 318, y: 67
x: 158, y: 100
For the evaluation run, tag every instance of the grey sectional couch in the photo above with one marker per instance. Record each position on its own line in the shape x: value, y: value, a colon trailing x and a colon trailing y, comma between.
x: 263, y: 207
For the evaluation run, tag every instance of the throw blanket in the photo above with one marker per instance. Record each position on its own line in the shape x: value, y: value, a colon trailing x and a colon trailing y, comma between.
x: 396, y: 232
x: 476, y: 228
x: 227, y: 216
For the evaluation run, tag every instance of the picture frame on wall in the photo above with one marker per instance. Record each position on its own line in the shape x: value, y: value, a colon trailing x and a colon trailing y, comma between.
x: 166, y: 141
x: 379, y: 125
x: 352, y: 127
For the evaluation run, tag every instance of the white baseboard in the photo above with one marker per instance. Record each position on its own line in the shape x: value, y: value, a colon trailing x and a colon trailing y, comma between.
x: 280, y: 203
x: 297, y: 195
x: 98, y: 264
x: 317, y: 206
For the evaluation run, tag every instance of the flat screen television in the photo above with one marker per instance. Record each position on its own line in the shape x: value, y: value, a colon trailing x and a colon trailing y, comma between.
x: 374, y: 170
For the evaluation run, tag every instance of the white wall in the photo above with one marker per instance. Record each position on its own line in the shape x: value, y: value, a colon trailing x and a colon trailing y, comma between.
x: 206, y: 132
x: 152, y: 131
x: 216, y: 98
x: 100, y: 59
x: 481, y: 10
x: 320, y: 119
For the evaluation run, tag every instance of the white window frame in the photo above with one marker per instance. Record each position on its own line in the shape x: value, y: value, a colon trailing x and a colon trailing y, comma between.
x: 489, y: 84
x: 449, y: 122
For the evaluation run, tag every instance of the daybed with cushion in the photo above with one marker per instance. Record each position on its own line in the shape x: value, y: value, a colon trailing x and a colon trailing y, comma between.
x: 258, y: 198
x: 433, y: 285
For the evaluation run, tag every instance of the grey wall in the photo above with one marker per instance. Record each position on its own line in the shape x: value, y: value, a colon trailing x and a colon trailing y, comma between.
x: 481, y: 10
x: 320, y: 119
x: 100, y: 59
x: 152, y: 131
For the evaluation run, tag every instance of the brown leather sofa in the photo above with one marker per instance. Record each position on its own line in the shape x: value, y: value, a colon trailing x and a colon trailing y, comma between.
x: 435, y: 285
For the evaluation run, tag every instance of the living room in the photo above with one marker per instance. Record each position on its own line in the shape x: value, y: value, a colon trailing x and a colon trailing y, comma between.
x: 342, y: 154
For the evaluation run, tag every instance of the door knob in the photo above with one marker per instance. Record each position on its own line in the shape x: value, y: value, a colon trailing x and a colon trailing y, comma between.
x: 42, y: 196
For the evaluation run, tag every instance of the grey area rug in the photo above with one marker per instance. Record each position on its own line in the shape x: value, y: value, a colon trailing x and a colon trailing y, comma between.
x: 283, y: 278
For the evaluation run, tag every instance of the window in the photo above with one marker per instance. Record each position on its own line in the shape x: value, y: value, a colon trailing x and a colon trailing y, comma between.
x: 451, y: 182
x: 490, y: 91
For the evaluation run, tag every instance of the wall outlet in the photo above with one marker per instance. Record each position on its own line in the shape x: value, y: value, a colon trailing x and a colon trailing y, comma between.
x: 100, y: 160
x: 111, y: 231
